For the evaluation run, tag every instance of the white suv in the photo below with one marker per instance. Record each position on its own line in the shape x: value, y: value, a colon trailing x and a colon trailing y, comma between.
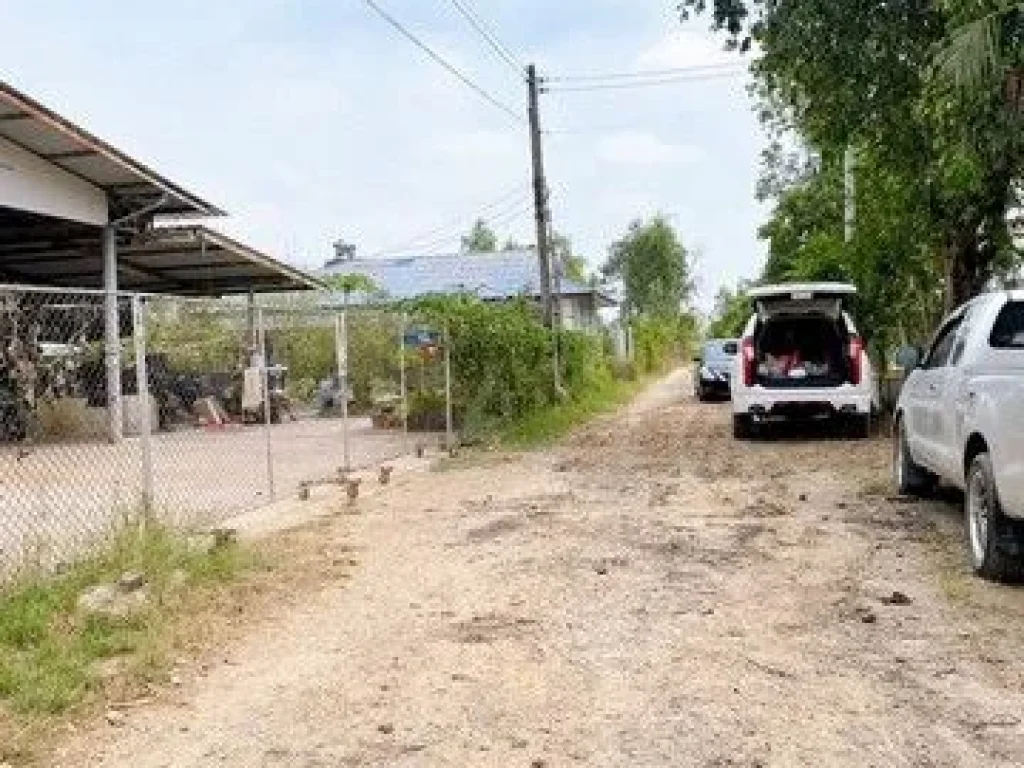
x: 960, y: 420
x: 801, y: 357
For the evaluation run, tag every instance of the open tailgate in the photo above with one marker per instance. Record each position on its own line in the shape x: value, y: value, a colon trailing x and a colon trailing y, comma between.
x: 801, y: 299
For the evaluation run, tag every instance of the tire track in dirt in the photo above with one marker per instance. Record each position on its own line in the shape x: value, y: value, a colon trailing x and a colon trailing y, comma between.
x: 650, y: 593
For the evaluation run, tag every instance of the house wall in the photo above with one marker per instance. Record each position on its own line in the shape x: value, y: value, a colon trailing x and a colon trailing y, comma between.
x: 579, y: 313
x: 29, y: 183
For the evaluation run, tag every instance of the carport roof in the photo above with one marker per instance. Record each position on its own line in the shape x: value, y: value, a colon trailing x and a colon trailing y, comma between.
x: 183, y: 260
x: 196, y: 260
x: 128, y: 183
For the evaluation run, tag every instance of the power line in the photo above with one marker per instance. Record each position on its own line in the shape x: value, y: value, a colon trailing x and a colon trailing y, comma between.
x: 444, y: 62
x: 487, y: 33
x: 703, y: 68
x: 508, y: 217
x: 444, y: 233
x: 693, y: 78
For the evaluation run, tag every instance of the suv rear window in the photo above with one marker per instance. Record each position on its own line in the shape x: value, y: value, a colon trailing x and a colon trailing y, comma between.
x: 1008, y: 332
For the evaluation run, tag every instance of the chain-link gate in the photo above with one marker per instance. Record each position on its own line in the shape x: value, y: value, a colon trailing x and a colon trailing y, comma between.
x: 64, y: 482
x: 206, y: 393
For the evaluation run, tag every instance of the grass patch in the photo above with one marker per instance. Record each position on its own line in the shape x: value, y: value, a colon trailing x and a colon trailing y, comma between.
x: 51, y: 653
x: 552, y: 422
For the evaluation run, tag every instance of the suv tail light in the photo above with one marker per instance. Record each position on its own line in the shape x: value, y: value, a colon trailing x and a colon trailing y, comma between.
x: 749, y: 362
x: 856, y: 358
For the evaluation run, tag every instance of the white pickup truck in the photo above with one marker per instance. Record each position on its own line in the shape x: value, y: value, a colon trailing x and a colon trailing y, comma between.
x: 960, y: 421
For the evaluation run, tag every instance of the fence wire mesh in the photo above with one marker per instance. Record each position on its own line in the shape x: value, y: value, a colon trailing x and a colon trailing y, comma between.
x: 65, y: 483
x: 206, y: 395
x: 223, y: 407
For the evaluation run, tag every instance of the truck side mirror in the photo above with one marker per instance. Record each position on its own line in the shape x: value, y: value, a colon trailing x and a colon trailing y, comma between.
x: 908, y: 357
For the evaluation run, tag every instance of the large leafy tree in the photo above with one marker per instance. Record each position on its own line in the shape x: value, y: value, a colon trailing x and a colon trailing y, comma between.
x: 653, y: 266
x: 864, y: 74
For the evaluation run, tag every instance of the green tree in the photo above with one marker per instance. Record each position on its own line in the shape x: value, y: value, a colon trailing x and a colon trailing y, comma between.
x: 573, y: 267
x: 481, y: 239
x: 354, y: 282
x: 654, y: 268
x: 862, y: 74
x: 731, y: 313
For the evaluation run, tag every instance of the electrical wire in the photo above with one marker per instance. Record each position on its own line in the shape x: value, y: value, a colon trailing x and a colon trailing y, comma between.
x: 517, y: 192
x: 700, y: 69
x: 487, y: 33
x: 691, y: 78
x: 500, y: 219
x: 447, y: 232
x: 440, y: 60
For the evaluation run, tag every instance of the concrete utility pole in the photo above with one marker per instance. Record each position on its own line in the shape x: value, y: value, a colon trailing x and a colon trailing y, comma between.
x: 540, y: 198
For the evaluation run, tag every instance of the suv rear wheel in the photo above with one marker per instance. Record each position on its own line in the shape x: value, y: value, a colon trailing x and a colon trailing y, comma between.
x: 911, y: 479
x: 995, y: 541
x: 742, y: 427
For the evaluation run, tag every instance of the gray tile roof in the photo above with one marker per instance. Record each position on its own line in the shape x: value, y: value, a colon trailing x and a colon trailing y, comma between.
x: 490, y: 276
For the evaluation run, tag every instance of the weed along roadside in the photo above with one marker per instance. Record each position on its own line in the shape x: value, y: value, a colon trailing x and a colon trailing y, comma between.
x: 105, y: 628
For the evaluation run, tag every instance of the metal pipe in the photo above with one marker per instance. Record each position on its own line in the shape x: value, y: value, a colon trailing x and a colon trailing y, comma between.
x: 145, y: 403
x: 265, y: 379
x: 449, y: 426
x: 341, y: 353
x: 112, y: 336
x: 141, y: 211
x: 404, y: 391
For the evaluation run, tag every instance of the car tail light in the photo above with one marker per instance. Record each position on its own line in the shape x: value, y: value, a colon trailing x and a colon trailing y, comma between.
x: 749, y: 362
x: 856, y: 359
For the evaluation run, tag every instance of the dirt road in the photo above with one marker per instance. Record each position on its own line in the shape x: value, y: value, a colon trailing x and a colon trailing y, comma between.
x: 649, y: 594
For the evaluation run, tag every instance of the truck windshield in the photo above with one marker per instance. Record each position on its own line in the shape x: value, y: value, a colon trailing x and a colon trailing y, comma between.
x: 1008, y: 332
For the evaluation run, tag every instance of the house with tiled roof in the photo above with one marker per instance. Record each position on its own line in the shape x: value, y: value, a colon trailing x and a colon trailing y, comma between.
x: 499, y: 276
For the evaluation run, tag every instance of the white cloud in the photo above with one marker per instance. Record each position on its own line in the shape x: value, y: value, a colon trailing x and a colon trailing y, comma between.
x: 645, y: 149
x: 682, y: 49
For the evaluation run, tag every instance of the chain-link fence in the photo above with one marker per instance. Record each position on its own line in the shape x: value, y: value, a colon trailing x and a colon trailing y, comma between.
x: 222, y: 406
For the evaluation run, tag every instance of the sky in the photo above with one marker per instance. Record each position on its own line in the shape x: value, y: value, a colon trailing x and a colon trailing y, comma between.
x: 311, y: 121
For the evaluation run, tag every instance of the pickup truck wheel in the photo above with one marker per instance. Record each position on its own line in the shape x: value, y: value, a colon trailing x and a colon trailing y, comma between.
x: 995, y: 541
x: 911, y: 479
x: 742, y: 428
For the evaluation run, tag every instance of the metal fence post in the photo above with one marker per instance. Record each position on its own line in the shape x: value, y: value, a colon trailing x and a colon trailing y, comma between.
x: 265, y: 379
x: 145, y: 404
x: 404, y: 386
x: 449, y: 427
x: 341, y: 352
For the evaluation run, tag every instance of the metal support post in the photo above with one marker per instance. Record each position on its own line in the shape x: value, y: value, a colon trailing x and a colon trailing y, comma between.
x: 404, y: 385
x: 250, y: 318
x: 449, y: 426
x: 265, y: 379
x: 341, y: 352
x: 145, y: 403
x: 112, y: 335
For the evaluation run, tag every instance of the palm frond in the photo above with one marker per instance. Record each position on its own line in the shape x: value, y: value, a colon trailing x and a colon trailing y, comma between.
x: 972, y: 54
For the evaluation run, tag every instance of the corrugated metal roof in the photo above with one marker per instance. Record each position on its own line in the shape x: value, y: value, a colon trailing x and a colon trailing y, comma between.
x: 490, y: 276
x: 35, y: 128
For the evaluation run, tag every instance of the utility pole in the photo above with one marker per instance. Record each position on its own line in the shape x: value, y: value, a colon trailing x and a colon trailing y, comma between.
x: 540, y: 197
